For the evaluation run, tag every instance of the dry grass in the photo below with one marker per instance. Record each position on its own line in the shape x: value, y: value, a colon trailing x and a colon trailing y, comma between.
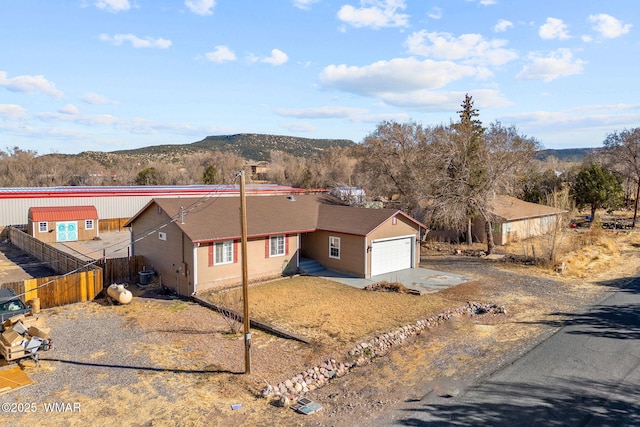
x: 324, y: 310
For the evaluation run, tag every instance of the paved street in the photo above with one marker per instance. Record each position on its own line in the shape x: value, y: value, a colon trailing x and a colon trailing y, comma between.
x: 586, y: 374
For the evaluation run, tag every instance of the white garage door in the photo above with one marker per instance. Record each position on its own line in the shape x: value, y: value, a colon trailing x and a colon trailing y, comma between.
x: 391, y: 255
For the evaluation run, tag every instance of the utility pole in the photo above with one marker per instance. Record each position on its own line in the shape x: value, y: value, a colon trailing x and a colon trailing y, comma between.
x: 245, y: 277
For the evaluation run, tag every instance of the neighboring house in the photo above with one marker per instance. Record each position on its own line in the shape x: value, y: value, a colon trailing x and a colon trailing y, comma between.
x: 516, y: 219
x: 63, y: 223
x: 513, y: 219
x: 351, y: 195
x: 259, y: 170
x: 194, y: 245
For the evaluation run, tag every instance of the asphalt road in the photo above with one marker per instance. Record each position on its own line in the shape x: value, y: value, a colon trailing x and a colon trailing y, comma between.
x: 586, y: 374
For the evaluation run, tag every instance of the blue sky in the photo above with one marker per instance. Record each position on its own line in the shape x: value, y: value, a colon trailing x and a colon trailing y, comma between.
x: 106, y: 75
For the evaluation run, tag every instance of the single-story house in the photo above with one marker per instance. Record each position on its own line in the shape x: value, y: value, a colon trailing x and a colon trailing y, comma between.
x: 194, y: 244
x: 53, y: 224
x: 513, y: 219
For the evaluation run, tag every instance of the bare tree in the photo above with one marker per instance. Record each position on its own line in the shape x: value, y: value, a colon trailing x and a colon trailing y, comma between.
x: 623, y: 150
x: 393, y: 160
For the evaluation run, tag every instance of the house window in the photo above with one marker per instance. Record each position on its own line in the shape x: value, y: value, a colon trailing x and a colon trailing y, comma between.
x: 43, y: 227
x: 334, y: 247
x: 88, y: 224
x: 276, y: 246
x: 224, y: 252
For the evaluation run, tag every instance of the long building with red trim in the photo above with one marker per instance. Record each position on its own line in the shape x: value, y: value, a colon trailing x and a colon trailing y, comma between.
x: 115, y: 202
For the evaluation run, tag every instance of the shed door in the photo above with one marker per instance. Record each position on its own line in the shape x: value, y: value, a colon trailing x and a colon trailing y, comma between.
x: 66, y: 231
x: 391, y: 255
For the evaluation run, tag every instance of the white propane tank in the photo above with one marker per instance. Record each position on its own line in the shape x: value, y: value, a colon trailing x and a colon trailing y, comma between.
x: 119, y: 293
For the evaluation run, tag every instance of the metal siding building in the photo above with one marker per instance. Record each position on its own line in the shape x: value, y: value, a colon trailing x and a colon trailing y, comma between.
x: 113, y: 202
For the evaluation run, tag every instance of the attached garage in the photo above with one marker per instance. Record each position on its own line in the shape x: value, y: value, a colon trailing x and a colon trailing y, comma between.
x: 393, y: 254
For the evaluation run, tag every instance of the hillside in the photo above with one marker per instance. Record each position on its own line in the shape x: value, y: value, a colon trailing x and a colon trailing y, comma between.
x: 254, y: 147
x: 576, y: 155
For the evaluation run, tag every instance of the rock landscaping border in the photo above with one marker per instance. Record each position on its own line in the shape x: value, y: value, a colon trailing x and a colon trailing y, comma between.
x: 294, y: 388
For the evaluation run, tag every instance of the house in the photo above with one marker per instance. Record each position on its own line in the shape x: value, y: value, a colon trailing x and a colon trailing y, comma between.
x: 513, y: 219
x: 351, y: 195
x: 194, y: 245
x: 259, y: 170
x: 53, y: 224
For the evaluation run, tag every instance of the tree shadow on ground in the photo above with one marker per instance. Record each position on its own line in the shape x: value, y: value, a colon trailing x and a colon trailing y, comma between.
x: 609, y: 320
x: 575, y: 403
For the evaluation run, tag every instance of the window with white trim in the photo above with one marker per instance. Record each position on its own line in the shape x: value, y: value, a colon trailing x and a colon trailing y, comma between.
x: 334, y: 247
x: 43, y: 227
x: 88, y: 224
x: 224, y: 252
x: 276, y: 245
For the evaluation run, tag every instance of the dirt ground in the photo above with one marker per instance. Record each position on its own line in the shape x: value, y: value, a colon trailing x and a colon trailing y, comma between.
x: 195, y: 357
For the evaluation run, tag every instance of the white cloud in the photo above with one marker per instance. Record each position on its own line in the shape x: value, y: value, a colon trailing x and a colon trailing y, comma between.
x: 201, y: 7
x: 502, y: 26
x: 12, y: 112
x: 608, y: 26
x: 69, y: 109
x: 96, y: 99
x: 137, y: 42
x: 559, y: 63
x: 277, y: 57
x: 304, y: 4
x: 472, y: 48
x: 438, y: 101
x: 435, y: 13
x: 327, y: 112
x: 299, y: 127
x: 554, y: 29
x: 221, y: 54
x: 484, y: 2
x: 375, y: 14
x: 30, y: 84
x: 113, y: 6
x: 396, y: 75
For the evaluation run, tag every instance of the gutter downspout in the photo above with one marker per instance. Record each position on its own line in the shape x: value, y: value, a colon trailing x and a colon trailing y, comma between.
x: 366, y: 258
x: 194, y: 269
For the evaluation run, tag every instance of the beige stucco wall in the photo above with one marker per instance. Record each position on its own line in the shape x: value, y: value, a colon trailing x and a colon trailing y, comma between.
x: 259, y: 267
x: 511, y: 231
x: 171, y: 258
x: 316, y: 246
x: 517, y: 230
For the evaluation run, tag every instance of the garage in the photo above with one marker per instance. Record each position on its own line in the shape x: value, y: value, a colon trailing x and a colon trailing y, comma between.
x: 389, y: 255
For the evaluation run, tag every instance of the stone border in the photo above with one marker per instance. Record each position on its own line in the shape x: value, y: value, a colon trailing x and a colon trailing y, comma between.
x: 294, y: 388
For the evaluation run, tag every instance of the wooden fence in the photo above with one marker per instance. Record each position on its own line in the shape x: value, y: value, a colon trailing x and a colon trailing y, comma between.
x: 112, y: 224
x: 79, y: 281
x: 57, y: 260
x: 120, y: 270
x: 60, y: 290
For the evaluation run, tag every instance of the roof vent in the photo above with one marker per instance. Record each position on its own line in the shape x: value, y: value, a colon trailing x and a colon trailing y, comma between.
x: 291, y: 198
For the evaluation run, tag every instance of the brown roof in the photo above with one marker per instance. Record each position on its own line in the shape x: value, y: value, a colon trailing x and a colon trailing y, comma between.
x: 510, y: 209
x: 62, y: 213
x: 219, y: 218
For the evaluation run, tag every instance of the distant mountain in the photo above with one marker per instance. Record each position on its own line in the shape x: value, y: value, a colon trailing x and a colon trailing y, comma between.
x: 575, y: 155
x: 251, y: 146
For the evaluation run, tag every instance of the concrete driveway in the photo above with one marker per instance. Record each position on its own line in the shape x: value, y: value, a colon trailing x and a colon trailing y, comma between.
x: 422, y: 280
